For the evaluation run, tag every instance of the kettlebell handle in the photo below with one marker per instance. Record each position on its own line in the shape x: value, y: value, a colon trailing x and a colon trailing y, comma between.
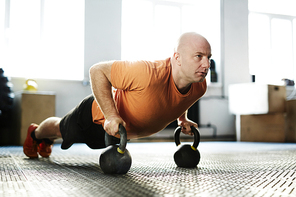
x: 123, y: 139
x: 195, y: 132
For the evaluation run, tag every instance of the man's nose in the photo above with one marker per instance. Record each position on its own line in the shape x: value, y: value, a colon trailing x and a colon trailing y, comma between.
x: 206, y: 64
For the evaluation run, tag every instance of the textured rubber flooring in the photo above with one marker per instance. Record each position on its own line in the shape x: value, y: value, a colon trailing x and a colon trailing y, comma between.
x: 226, y: 169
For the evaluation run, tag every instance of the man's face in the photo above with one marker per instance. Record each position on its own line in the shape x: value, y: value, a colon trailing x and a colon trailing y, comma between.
x: 195, y: 60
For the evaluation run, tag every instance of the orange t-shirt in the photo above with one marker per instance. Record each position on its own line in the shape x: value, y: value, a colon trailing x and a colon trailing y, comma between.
x: 146, y: 96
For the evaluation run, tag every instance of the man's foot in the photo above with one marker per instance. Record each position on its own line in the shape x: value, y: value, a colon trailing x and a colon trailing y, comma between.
x: 30, y: 146
x: 45, y: 148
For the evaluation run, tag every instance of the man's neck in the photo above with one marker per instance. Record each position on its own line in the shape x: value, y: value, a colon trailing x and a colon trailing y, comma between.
x: 184, y: 90
x: 182, y: 85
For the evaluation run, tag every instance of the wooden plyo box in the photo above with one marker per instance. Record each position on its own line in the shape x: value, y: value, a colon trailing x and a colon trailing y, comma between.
x: 291, y: 121
x: 31, y: 108
x: 263, y: 127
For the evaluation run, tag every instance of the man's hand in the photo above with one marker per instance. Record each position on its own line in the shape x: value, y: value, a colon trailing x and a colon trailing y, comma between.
x: 111, y: 124
x: 185, y: 123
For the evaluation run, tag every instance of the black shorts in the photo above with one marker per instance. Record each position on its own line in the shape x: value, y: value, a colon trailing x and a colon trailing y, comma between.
x: 77, y: 127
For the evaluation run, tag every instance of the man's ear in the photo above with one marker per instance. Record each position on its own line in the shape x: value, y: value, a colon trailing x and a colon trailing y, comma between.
x: 177, y: 58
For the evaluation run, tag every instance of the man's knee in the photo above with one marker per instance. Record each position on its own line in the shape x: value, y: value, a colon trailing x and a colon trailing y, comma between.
x: 49, y: 127
x: 57, y: 126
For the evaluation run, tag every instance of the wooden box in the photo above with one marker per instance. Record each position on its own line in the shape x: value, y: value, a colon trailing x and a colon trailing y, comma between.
x: 291, y: 121
x: 263, y: 128
x: 252, y: 98
x: 31, y: 108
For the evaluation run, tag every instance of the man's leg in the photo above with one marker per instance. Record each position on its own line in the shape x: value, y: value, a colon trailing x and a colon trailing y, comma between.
x: 75, y: 127
x: 40, y: 138
x: 49, y: 129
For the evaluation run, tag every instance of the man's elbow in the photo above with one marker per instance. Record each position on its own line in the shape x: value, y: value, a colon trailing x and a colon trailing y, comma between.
x: 94, y: 69
x: 101, y: 69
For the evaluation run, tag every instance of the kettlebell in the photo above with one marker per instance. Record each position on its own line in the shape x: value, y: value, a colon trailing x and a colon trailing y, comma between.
x: 116, y: 159
x: 187, y: 156
x: 31, y: 85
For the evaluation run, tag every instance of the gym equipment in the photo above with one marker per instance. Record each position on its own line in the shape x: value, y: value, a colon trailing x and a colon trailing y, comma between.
x: 6, y: 109
x: 31, y: 85
x: 214, y: 76
x: 116, y: 159
x: 187, y: 156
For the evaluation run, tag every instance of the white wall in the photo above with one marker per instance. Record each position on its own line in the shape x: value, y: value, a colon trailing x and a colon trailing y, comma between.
x: 102, y: 31
x: 103, y: 42
x: 235, y: 41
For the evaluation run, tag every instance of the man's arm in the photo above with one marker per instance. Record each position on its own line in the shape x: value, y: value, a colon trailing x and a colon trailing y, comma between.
x: 185, y: 123
x: 100, y: 78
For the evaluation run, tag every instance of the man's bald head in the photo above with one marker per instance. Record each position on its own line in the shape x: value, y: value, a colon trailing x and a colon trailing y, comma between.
x: 188, y: 40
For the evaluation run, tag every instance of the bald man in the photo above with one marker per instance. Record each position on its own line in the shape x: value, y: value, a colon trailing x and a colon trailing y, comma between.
x: 143, y: 96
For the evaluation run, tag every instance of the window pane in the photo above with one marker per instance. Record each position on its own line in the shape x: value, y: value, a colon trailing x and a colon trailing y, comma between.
x: 46, y: 39
x: 167, y: 18
x: 259, y: 45
x: 2, y: 34
x: 63, y: 39
x: 199, y: 19
x: 284, y: 7
x: 294, y: 38
x: 137, y: 29
x: 2, y: 14
x: 24, y: 37
x: 150, y: 28
x: 282, y: 49
x: 202, y: 14
x: 146, y: 36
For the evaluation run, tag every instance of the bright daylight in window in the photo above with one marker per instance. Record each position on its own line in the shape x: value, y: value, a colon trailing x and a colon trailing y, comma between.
x: 42, y: 38
x: 151, y: 27
x: 272, y: 40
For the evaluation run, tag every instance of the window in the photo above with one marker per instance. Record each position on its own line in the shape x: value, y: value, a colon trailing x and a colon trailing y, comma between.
x: 272, y: 46
x: 2, y: 32
x: 43, y: 38
x: 150, y: 27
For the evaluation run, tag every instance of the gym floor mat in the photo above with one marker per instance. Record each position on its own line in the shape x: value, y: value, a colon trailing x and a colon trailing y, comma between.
x: 226, y: 169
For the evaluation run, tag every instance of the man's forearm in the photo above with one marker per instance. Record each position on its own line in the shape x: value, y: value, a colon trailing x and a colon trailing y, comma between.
x: 100, y: 77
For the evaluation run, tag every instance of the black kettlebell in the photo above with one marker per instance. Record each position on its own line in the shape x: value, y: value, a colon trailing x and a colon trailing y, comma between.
x: 116, y: 159
x: 187, y: 156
